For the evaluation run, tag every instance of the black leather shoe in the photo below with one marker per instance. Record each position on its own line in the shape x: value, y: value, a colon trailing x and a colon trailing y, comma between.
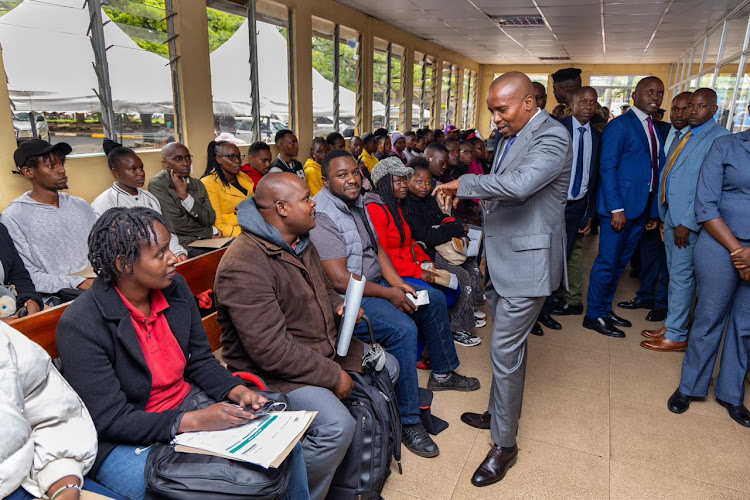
x: 739, y: 413
x: 636, y: 304
x: 477, y: 420
x: 657, y: 315
x: 549, y: 321
x: 568, y: 310
x: 679, y: 402
x: 416, y: 439
x: 618, y: 321
x: 603, y: 326
x: 494, y: 467
x: 537, y: 330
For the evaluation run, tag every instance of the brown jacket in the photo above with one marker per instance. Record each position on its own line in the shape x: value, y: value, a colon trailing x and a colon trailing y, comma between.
x: 277, y: 315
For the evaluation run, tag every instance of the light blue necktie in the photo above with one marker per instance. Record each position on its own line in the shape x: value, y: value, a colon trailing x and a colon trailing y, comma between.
x: 578, y: 180
x: 505, y: 153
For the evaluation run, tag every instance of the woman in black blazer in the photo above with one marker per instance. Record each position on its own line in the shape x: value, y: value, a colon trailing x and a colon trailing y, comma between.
x: 133, y: 346
x: 13, y: 272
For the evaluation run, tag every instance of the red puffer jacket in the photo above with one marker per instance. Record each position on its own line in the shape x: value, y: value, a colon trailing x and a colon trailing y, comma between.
x: 401, y: 255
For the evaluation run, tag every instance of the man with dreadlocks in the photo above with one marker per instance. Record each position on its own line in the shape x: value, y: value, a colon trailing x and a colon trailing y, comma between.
x: 136, y: 352
x: 49, y: 228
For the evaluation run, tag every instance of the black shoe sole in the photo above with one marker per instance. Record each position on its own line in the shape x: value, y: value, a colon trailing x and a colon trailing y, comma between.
x: 727, y: 405
x: 616, y: 335
x: 566, y: 313
x: 434, y: 388
x: 497, y: 479
x: 422, y: 454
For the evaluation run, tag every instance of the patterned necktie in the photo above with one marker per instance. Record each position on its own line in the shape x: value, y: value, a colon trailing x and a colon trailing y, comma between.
x: 505, y: 152
x: 672, y: 160
x: 576, y: 190
x: 675, y: 142
x: 654, y: 154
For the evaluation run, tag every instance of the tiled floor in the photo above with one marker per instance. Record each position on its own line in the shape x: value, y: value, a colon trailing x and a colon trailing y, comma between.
x: 595, y: 425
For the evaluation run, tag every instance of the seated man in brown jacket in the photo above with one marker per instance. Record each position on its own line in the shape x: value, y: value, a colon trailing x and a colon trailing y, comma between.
x: 278, y: 314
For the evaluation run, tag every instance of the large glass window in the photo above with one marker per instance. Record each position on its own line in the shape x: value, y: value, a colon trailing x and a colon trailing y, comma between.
x: 334, y: 76
x: 469, y: 99
x: 448, y: 97
x: 71, y: 101
x: 396, y: 115
x: 741, y: 120
x: 380, y: 94
x: 233, y: 78
x: 424, y: 71
x: 725, y: 92
x: 614, y: 90
x: 712, y: 50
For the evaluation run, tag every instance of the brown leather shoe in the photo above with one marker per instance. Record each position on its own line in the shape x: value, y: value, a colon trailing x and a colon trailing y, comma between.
x: 654, y: 334
x: 664, y: 345
x: 494, y: 467
x: 478, y: 420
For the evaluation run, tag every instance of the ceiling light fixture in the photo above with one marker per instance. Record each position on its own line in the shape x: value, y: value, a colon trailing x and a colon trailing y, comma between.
x: 519, y: 21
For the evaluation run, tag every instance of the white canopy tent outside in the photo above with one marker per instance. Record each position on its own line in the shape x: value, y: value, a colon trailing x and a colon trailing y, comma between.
x: 49, y: 62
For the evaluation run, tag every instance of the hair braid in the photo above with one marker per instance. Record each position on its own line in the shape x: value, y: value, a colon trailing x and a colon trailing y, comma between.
x: 119, y: 234
x: 213, y: 164
x: 385, y: 190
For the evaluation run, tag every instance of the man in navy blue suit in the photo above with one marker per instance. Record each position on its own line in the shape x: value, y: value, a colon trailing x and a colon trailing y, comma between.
x: 579, y: 210
x: 632, y: 156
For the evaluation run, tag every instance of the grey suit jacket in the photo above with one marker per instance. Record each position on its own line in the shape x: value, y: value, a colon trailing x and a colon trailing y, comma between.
x: 525, y: 209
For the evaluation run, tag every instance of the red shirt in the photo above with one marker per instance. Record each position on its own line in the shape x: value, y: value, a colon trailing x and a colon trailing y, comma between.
x: 407, y: 264
x: 163, y: 354
x: 253, y: 174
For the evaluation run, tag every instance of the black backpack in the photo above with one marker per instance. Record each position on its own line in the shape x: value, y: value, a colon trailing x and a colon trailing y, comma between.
x: 377, y: 436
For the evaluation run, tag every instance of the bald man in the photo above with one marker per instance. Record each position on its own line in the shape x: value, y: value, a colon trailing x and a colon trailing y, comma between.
x: 183, y: 199
x: 632, y: 157
x: 278, y: 314
x: 524, y: 197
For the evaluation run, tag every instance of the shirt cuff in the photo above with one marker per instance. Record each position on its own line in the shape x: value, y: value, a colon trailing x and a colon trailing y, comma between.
x: 617, y: 210
x: 188, y: 203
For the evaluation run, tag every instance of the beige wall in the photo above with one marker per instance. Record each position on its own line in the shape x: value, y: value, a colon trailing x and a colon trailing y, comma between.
x: 489, y: 71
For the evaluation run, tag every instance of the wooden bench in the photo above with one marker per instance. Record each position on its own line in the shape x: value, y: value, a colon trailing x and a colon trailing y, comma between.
x: 199, y: 272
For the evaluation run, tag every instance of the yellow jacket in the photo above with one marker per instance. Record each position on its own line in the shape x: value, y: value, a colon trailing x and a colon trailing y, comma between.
x: 225, y: 199
x: 313, y: 176
x: 369, y: 160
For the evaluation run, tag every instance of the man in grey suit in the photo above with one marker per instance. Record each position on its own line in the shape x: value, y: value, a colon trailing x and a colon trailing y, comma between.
x: 524, y: 198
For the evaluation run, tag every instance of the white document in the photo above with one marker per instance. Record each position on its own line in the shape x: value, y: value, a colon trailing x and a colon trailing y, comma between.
x: 353, y: 299
x: 475, y: 239
x: 422, y: 298
x: 264, y: 442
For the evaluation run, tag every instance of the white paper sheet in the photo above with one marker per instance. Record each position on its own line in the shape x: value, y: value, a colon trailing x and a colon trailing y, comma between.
x: 353, y: 299
x: 475, y: 238
x: 259, y: 442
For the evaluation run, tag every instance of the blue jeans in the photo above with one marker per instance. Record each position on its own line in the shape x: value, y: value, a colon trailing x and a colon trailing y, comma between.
x: 123, y: 473
x: 397, y: 333
x: 88, y: 485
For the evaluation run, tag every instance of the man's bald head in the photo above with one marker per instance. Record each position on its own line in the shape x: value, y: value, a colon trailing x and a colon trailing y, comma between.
x: 648, y: 95
x: 277, y: 186
x: 171, y: 149
x: 708, y: 95
x: 511, y: 101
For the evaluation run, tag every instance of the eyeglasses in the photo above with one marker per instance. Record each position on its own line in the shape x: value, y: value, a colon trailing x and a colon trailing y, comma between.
x: 239, y: 157
x: 181, y: 159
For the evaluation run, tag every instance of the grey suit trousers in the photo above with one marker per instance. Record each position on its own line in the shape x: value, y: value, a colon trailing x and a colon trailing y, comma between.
x: 512, y: 318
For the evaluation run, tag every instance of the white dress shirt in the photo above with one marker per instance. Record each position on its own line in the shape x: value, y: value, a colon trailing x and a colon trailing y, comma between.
x: 587, y: 151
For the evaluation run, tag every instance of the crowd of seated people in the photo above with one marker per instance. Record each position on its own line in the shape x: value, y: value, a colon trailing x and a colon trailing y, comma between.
x: 365, y: 209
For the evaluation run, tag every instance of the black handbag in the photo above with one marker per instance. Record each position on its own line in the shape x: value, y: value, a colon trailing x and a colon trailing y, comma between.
x: 170, y: 474
x: 377, y: 436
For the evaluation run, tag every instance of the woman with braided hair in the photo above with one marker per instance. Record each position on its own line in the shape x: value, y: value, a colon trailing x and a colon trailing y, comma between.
x: 226, y: 184
x: 135, y: 351
x: 385, y: 208
x: 127, y: 169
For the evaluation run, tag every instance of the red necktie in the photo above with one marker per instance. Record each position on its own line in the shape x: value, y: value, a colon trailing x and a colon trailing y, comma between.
x: 654, y: 154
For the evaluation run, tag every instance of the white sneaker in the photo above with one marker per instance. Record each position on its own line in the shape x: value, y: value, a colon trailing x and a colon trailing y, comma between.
x: 479, y: 323
x: 479, y: 314
x: 466, y: 339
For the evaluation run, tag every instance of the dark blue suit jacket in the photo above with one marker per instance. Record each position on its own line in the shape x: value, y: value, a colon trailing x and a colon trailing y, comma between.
x: 625, y: 168
x: 596, y: 142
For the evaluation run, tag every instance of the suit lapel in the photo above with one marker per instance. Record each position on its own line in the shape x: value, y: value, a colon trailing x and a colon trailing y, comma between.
x: 640, y: 131
x: 522, y: 139
x: 691, y: 145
